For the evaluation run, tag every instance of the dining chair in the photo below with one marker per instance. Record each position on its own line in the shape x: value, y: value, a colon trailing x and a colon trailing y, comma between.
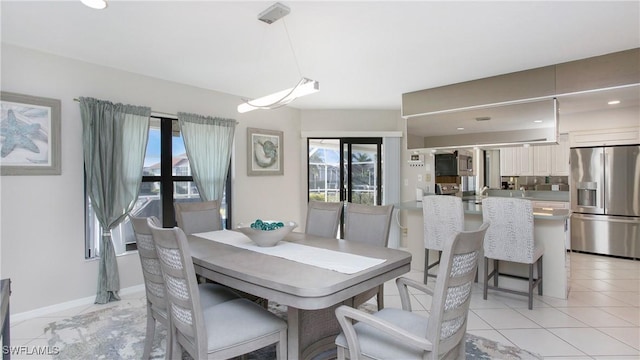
x: 402, y: 334
x: 368, y: 224
x: 154, y: 283
x: 197, y: 217
x: 443, y: 219
x: 323, y: 218
x: 213, y: 330
x: 511, y: 238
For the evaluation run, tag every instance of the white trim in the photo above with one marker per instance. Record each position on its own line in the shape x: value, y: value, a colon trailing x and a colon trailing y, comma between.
x: 68, y: 305
x: 346, y: 134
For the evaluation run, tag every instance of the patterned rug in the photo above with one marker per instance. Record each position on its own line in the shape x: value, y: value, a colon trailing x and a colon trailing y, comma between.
x: 118, y: 332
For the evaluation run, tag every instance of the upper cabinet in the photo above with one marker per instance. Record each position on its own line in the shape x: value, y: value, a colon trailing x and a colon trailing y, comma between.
x: 516, y: 161
x: 560, y: 156
x: 469, y: 114
x: 539, y: 160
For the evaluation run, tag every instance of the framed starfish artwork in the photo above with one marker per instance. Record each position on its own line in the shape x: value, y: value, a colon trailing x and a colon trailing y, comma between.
x: 264, y: 152
x: 29, y: 135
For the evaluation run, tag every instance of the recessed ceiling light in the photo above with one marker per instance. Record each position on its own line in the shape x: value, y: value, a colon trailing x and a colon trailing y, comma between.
x: 95, y: 4
x: 460, y: 128
x: 537, y: 121
x: 614, y: 102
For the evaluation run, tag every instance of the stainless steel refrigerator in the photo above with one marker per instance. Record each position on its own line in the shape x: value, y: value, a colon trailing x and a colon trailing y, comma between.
x: 605, y: 200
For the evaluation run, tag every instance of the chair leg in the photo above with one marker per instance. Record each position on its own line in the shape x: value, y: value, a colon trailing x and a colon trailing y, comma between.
x: 496, y: 269
x: 281, y: 347
x: 530, y: 286
x: 540, y: 276
x: 341, y: 353
x: 426, y: 265
x: 380, y: 297
x: 151, y: 330
x: 486, y: 278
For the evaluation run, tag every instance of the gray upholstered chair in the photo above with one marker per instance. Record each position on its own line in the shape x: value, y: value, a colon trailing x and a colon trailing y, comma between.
x: 443, y: 219
x: 368, y: 224
x: 511, y: 238
x: 205, y: 329
x: 154, y: 282
x: 323, y: 218
x: 197, y: 217
x: 401, y: 334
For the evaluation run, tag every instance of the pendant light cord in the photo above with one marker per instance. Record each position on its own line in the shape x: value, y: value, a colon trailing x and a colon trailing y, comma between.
x: 295, y: 58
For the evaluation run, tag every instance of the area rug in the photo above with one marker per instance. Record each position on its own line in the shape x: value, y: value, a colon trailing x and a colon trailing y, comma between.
x: 118, y: 331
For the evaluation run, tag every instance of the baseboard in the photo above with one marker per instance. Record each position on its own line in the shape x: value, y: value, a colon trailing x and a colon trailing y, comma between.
x: 67, y: 305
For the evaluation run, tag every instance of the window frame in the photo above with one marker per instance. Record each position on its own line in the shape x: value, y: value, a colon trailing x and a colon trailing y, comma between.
x: 166, y: 179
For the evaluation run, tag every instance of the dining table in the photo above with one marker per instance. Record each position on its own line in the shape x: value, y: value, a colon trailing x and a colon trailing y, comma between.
x: 310, y: 289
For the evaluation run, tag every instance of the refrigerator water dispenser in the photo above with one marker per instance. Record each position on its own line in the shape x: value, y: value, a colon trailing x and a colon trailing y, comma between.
x: 587, y: 194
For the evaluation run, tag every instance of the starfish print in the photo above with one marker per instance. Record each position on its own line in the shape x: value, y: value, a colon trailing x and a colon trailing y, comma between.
x: 18, y: 133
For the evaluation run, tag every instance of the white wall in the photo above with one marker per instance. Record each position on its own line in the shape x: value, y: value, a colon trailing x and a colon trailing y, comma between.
x: 42, y: 217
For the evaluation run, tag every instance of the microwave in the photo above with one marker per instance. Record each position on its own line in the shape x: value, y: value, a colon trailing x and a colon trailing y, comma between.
x: 453, y: 165
x: 465, y: 165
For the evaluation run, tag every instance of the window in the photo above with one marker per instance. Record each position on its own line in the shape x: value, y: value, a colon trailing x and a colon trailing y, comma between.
x: 166, y: 178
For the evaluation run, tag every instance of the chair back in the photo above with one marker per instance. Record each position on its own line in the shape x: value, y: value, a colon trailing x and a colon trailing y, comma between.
x: 510, y: 236
x: 452, y: 293
x: 368, y: 224
x: 323, y: 218
x: 197, y: 217
x: 443, y: 219
x: 183, y: 299
x: 153, y: 281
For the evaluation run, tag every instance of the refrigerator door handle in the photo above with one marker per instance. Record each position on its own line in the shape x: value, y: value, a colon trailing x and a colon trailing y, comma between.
x: 601, y: 186
x: 626, y: 220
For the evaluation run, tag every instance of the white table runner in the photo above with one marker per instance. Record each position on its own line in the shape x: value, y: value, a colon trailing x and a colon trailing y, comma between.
x: 323, y: 258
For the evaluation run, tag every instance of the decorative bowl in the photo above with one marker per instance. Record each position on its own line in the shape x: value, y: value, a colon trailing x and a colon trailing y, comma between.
x: 267, y: 238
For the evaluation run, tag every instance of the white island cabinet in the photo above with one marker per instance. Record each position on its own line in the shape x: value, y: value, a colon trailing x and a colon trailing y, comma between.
x: 551, y: 228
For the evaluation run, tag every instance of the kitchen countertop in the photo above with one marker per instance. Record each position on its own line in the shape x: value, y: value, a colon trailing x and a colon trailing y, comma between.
x: 471, y: 208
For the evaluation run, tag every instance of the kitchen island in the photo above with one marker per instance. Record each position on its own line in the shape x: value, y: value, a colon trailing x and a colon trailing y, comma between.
x: 551, y: 229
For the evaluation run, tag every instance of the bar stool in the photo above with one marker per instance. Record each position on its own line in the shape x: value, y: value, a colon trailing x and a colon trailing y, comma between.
x: 443, y: 220
x: 510, y: 238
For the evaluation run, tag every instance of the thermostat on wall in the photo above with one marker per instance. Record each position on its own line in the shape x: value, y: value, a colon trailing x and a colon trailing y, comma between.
x: 416, y: 160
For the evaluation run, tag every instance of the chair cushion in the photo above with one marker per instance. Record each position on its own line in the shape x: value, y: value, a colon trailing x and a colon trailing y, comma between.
x: 378, y: 345
x: 238, y: 321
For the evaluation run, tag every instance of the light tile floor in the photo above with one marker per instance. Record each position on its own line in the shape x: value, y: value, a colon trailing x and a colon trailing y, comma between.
x: 599, y: 320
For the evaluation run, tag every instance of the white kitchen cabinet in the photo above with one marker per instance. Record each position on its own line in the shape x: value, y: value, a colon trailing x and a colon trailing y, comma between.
x: 516, y: 161
x: 508, y: 162
x: 541, y: 160
x: 560, y: 156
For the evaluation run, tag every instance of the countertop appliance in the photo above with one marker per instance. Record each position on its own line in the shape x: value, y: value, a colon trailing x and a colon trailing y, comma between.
x: 447, y: 189
x: 454, y: 164
x: 605, y: 200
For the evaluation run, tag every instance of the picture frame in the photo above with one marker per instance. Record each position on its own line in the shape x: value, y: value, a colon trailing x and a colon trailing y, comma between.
x: 265, y: 155
x: 29, y: 135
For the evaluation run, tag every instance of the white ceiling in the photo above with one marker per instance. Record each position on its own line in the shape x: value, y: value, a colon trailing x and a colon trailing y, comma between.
x: 364, y: 53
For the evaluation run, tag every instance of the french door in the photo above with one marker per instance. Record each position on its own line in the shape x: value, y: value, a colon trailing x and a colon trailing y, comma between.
x: 345, y: 169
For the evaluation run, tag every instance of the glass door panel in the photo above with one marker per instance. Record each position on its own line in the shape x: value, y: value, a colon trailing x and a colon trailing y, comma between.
x: 362, y: 175
x: 324, y: 170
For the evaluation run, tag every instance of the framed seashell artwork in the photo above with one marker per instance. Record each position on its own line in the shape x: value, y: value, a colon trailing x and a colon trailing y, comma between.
x: 265, y: 155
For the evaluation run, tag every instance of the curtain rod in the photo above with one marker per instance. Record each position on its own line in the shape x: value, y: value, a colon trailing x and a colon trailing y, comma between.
x: 156, y: 113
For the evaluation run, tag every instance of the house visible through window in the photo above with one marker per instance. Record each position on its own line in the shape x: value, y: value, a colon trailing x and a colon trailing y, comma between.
x: 166, y: 178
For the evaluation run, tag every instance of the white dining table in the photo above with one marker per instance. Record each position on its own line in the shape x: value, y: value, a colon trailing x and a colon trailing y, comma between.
x: 311, y: 293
